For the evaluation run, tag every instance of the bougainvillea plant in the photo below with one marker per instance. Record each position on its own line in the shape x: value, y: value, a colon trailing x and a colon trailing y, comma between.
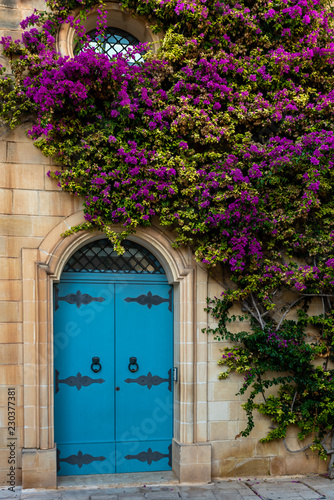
x: 225, y: 134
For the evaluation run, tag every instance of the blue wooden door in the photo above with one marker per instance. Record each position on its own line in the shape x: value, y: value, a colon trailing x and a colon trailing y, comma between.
x: 113, y: 413
x: 144, y: 401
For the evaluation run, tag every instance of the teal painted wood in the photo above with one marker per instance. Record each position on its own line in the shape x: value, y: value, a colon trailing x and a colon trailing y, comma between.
x: 99, y: 429
x: 84, y: 407
x: 144, y: 403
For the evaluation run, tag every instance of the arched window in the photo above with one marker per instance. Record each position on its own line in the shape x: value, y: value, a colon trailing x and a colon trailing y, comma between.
x: 119, y: 23
x: 100, y: 257
x: 114, y: 41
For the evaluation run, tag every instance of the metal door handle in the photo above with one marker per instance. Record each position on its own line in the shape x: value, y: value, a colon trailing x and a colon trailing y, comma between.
x: 133, y: 363
x: 96, y: 361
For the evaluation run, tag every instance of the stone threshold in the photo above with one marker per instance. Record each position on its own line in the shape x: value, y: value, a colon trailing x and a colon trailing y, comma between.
x: 123, y: 480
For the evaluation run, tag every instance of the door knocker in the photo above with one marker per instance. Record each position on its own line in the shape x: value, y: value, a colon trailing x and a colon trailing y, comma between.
x: 96, y: 362
x: 133, y: 365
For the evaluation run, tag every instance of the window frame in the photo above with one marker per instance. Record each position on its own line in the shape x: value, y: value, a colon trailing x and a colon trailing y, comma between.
x: 116, y: 17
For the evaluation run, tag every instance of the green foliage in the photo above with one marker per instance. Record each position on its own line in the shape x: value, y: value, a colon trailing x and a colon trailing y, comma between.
x: 284, y: 356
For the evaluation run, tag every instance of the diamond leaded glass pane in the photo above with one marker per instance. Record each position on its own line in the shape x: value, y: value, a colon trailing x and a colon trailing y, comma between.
x: 100, y: 257
x: 113, y: 42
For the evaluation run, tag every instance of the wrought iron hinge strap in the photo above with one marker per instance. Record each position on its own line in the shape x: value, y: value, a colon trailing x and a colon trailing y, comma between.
x: 150, y: 300
x: 80, y: 459
x: 150, y: 456
x: 78, y: 299
x: 77, y: 381
x: 149, y: 380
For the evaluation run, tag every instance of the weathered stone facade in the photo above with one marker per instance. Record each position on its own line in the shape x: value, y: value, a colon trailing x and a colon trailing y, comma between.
x: 33, y: 214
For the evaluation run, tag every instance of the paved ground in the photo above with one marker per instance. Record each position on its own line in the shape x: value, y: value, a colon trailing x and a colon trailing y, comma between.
x: 293, y: 488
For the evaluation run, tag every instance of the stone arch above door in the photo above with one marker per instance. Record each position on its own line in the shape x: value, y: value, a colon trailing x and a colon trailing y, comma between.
x: 41, y: 268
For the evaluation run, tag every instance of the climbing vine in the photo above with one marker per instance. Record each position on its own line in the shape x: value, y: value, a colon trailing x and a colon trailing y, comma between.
x: 225, y: 134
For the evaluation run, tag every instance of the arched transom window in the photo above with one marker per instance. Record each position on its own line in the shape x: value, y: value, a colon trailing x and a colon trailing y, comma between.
x: 99, y: 257
x: 114, y: 41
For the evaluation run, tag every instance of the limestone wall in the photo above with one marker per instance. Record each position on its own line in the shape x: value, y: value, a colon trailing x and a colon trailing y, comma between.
x: 31, y: 204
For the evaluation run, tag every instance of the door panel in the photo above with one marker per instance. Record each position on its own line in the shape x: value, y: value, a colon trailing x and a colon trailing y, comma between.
x: 84, y: 400
x: 144, y: 323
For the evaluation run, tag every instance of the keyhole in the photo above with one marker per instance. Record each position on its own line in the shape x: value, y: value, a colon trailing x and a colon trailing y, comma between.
x: 117, y: 388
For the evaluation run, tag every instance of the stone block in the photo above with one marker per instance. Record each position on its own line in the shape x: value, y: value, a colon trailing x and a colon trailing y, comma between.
x: 204, y: 453
x: 236, y: 412
x: 277, y: 466
x: 3, y: 246
x: 4, y: 418
x: 261, y: 427
x: 21, y: 176
x: 299, y: 462
x: 4, y: 438
x: 11, y: 375
x: 223, y: 430
x: 323, y: 467
x: 192, y: 462
x: 11, y: 354
x: 214, y: 370
x: 39, y: 479
x: 10, y: 18
x: 3, y: 151
x: 4, y: 396
x: 10, y: 311
x: 198, y: 473
x: 4, y: 479
x: 25, y: 153
x: 215, y: 469
x: 10, y: 332
x: 56, y: 204
x: 39, y: 468
x: 10, y: 268
x: 5, y: 201
x: 224, y: 468
x: 241, y: 448
x: 266, y: 449
x: 253, y: 467
x: 215, y: 351
x: 218, y: 410
x: 25, y: 202
x: 224, y: 390
x: 16, y: 225
x: 11, y: 290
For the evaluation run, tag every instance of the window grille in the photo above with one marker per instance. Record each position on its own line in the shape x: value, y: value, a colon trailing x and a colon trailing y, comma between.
x: 113, y: 42
x: 100, y: 257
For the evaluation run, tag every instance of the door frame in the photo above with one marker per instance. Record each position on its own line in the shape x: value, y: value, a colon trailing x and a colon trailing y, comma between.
x: 41, y: 268
x: 80, y: 280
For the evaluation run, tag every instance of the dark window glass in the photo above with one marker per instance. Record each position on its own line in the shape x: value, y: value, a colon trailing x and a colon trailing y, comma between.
x: 100, y: 257
x: 113, y: 42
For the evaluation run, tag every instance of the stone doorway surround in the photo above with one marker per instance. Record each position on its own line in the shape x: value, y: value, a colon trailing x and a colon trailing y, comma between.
x: 40, y: 269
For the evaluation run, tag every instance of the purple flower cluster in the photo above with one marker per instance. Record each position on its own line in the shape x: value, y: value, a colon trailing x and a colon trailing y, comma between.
x: 223, y: 141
